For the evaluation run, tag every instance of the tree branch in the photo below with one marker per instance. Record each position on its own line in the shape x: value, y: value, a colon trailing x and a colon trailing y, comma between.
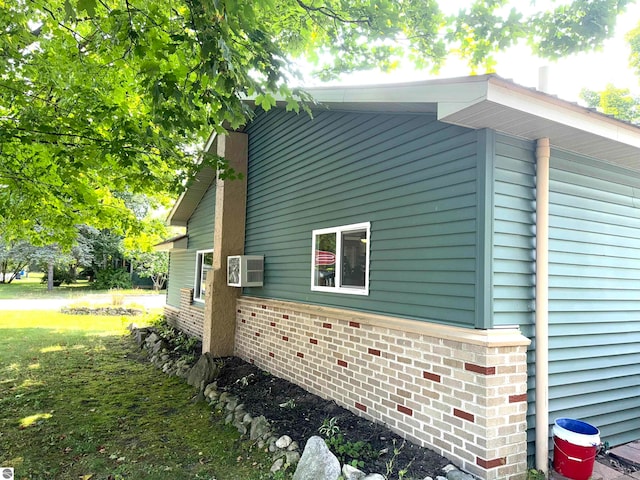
x: 328, y: 12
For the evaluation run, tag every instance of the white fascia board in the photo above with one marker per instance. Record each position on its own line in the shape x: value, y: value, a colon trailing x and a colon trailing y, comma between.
x: 457, y: 92
x: 565, y: 113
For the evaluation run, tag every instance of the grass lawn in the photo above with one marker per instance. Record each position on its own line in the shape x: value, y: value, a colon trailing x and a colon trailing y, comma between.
x: 33, y: 287
x: 78, y: 400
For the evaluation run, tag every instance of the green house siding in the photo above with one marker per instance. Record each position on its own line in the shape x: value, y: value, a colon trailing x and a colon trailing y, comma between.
x: 594, y: 295
x: 514, y: 233
x: 182, y: 263
x: 412, y: 177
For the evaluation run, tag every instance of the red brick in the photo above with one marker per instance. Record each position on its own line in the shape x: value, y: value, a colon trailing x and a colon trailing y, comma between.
x: 273, y: 324
x: 479, y: 369
x: 342, y: 363
x: 300, y: 354
x: 375, y: 352
x: 253, y: 314
x: 264, y: 307
x: 487, y: 464
x: 518, y: 398
x: 326, y: 325
x: 285, y: 338
x: 257, y: 334
x: 360, y: 406
x: 431, y: 376
x: 354, y: 324
x: 286, y: 317
x: 244, y: 321
x: 271, y: 354
x: 464, y: 415
x: 239, y: 311
x: 313, y: 340
x: 405, y: 410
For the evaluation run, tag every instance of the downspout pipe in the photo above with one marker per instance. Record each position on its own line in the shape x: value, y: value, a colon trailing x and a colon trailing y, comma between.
x: 543, y: 154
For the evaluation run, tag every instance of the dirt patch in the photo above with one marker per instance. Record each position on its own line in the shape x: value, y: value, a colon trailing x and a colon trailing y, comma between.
x: 295, y: 412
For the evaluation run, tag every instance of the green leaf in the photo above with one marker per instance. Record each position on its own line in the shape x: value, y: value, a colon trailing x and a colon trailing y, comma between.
x: 69, y: 10
x: 88, y: 6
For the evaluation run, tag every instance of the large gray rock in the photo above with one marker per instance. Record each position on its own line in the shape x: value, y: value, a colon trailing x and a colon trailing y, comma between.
x: 317, y: 462
x: 205, y: 371
x: 259, y: 427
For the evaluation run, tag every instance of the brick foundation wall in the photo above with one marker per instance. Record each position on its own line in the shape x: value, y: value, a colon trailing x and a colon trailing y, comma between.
x: 189, y: 318
x: 459, y: 392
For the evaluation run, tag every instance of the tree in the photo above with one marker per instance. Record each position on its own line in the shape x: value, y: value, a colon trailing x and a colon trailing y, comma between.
x: 153, y: 265
x: 619, y: 102
x: 105, y: 96
x: 16, y: 255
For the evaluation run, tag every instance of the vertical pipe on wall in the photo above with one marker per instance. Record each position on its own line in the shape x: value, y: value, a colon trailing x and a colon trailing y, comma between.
x: 543, y: 153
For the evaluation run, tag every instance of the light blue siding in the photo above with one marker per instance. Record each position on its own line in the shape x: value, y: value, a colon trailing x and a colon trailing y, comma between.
x: 182, y: 263
x: 594, y: 283
x: 412, y: 177
x: 594, y: 295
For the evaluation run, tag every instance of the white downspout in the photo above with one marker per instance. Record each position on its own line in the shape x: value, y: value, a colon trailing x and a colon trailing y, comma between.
x: 543, y: 152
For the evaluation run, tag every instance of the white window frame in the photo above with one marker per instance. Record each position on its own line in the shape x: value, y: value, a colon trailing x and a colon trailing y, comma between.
x: 197, y: 292
x: 338, y: 231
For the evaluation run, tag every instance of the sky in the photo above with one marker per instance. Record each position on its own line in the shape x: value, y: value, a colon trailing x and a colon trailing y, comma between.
x: 567, y: 77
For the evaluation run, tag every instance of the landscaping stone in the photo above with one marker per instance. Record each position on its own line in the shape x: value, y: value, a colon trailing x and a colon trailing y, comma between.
x: 284, y: 441
x: 350, y: 472
x: 453, y: 473
x: 317, y: 462
x: 259, y: 426
x: 140, y: 334
x: 204, y: 371
x: 113, y: 311
x: 374, y: 476
x: 277, y: 465
x: 292, y: 457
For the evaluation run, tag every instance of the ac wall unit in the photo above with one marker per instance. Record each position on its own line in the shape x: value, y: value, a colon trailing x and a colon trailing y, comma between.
x: 245, y: 270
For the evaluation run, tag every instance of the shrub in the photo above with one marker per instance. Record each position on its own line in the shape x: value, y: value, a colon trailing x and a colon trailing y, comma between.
x: 112, y: 278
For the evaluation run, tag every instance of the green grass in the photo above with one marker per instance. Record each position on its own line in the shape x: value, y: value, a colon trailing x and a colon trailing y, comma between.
x: 32, y: 287
x: 78, y: 400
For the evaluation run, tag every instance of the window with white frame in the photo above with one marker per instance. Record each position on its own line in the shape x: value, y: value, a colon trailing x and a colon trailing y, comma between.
x: 204, y: 263
x: 340, y: 260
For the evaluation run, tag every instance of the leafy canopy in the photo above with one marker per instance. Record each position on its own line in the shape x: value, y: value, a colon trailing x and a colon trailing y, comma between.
x: 619, y: 102
x: 105, y: 98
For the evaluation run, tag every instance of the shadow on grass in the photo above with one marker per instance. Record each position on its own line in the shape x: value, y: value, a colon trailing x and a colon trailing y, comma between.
x: 75, y: 403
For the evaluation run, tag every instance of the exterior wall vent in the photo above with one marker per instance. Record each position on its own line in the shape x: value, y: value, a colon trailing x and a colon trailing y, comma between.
x: 245, y: 270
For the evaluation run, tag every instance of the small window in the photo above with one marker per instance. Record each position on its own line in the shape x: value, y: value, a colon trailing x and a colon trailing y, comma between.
x: 340, y: 260
x: 204, y: 263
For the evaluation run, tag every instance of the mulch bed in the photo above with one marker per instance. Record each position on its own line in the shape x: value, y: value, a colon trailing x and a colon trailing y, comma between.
x: 302, y: 414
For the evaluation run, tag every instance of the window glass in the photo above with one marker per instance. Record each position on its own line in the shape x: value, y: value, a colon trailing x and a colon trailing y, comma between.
x: 204, y: 263
x: 325, y: 260
x: 341, y: 259
x: 354, y: 258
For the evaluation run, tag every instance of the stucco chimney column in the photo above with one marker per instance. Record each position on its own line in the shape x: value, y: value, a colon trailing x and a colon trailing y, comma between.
x: 230, y: 213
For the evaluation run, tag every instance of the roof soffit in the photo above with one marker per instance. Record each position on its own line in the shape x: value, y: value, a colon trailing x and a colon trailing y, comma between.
x: 191, y: 197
